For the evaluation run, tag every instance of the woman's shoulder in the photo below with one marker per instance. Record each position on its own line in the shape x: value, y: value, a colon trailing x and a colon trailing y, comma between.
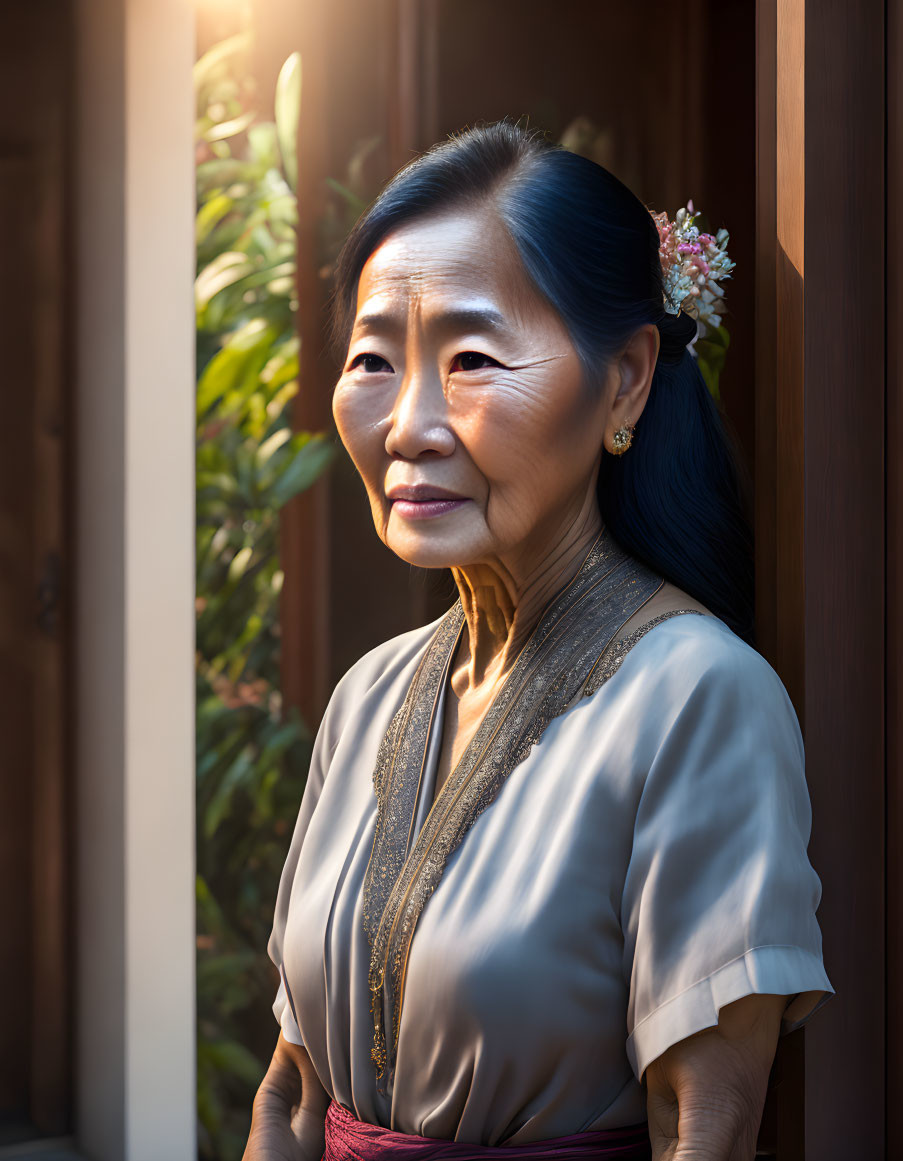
x: 382, y: 666
x: 690, y: 692
x: 683, y: 651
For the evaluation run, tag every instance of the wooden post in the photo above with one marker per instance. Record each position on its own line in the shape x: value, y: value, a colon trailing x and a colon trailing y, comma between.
x: 894, y: 466
x: 304, y: 527
x: 821, y: 518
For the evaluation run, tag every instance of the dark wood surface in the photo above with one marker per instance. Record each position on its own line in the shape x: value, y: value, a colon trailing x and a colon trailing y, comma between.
x: 820, y: 471
x: 845, y: 565
x: 16, y: 646
x: 35, y: 906
x: 783, y: 1106
x: 894, y: 588
x: 305, y: 521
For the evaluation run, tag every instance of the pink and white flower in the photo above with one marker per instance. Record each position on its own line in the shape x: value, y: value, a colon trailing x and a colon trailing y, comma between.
x: 693, y: 265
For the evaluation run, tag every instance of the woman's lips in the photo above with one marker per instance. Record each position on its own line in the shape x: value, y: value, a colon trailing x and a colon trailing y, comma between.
x: 425, y: 509
x: 422, y: 502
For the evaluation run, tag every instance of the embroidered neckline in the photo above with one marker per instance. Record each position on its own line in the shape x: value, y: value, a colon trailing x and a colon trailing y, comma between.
x: 568, y: 652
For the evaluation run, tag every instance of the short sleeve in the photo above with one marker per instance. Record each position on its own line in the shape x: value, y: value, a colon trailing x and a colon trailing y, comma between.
x: 323, y: 748
x: 720, y: 898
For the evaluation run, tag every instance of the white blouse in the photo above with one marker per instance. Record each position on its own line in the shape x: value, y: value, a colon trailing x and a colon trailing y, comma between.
x: 643, y: 866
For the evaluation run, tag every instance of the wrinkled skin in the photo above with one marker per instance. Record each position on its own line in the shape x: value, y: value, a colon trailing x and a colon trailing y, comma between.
x: 459, y: 376
x: 289, y: 1112
x: 460, y: 379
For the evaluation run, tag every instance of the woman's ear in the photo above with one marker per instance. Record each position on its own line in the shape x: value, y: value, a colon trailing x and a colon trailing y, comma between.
x: 633, y: 370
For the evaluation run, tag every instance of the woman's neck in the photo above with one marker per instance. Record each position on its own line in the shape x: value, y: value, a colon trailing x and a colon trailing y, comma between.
x: 503, y: 602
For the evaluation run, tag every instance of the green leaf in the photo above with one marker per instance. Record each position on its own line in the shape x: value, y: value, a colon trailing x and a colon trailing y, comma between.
x: 288, y: 113
x: 230, y: 1056
x: 264, y: 145
x: 307, y: 464
x: 210, y: 214
x: 216, y: 59
x: 272, y: 444
x: 240, y: 562
x: 220, y: 273
x: 711, y: 354
x: 357, y: 204
x: 225, y: 129
x: 219, y: 173
x: 236, y: 368
x: 209, y: 911
x: 362, y: 151
x: 221, y: 801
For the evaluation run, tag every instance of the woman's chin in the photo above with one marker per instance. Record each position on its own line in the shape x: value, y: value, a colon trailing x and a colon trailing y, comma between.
x: 431, y: 549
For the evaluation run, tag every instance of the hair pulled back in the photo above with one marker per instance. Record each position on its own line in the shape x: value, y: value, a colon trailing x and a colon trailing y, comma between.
x: 590, y: 246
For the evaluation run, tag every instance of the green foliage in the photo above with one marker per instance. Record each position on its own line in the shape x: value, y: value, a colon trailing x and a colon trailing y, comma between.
x: 711, y: 354
x: 252, y: 752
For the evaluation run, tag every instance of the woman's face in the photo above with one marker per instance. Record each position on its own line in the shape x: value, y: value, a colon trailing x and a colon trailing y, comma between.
x: 462, y: 400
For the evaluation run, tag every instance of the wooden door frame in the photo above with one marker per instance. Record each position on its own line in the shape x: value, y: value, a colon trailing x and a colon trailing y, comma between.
x: 894, y: 435
x: 35, y: 626
x: 826, y: 559
x: 133, y: 361
x: 820, y: 519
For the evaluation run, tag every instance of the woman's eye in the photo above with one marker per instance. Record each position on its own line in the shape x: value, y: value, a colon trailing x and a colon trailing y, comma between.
x: 370, y: 363
x: 472, y: 361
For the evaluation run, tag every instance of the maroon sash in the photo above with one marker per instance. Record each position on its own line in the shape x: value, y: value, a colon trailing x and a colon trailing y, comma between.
x: 348, y: 1139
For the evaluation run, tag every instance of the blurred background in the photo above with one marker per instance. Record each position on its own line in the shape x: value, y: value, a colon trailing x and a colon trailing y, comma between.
x: 189, y: 563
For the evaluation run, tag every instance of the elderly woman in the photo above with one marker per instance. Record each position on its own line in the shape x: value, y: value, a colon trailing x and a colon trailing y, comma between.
x: 548, y: 892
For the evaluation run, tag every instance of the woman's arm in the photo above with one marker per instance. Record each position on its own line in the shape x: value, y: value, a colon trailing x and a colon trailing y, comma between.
x: 705, y: 1094
x: 289, y: 1111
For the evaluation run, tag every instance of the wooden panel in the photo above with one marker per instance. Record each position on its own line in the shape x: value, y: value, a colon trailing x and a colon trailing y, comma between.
x: 51, y: 723
x: 304, y: 524
x: 413, y: 59
x: 766, y: 328
x: 789, y: 300
x: 894, y: 467
x: 820, y: 520
x: 34, y: 556
x: 16, y: 642
x: 779, y: 389
x: 728, y: 183
x: 845, y: 562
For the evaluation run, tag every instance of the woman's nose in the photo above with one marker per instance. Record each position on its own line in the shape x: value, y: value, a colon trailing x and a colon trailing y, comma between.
x: 419, y: 420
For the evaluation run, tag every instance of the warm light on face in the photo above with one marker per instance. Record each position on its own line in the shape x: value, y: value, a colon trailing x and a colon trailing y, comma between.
x: 462, y: 400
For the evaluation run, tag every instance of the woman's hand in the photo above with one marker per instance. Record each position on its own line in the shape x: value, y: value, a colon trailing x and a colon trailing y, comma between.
x: 289, y: 1111
x: 705, y: 1094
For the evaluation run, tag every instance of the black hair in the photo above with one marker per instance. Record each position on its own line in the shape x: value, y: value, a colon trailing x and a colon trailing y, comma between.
x: 675, y: 499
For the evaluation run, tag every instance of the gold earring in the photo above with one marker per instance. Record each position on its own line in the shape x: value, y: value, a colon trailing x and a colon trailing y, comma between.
x: 622, y: 438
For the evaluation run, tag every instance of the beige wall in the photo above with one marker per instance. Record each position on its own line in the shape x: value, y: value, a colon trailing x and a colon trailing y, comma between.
x: 134, y: 338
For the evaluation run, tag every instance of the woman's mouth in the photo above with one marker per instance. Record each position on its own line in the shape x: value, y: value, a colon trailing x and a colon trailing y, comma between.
x: 421, y: 502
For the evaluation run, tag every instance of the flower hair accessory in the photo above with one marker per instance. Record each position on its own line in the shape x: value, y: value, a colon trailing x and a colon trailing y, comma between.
x: 693, y: 264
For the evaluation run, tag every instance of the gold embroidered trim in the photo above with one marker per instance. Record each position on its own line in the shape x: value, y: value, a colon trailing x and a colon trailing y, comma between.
x: 610, y: 659
x: 554, y: 665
